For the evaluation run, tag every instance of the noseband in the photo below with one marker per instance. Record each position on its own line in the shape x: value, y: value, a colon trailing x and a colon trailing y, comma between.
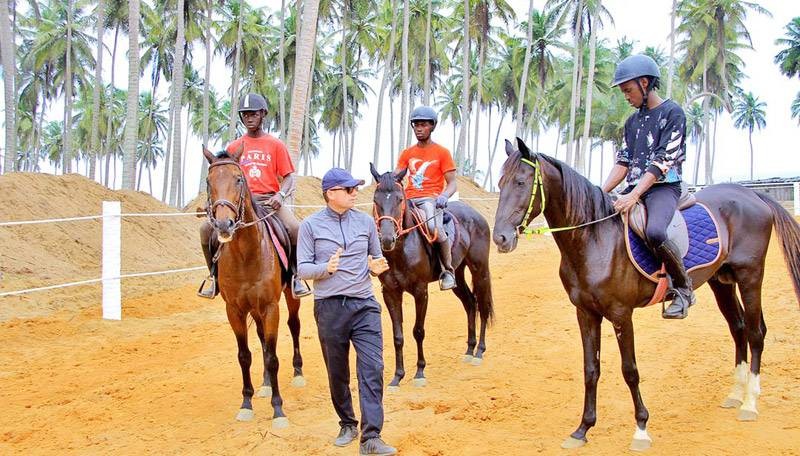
x: 237, y: 208
x: 398, y: 222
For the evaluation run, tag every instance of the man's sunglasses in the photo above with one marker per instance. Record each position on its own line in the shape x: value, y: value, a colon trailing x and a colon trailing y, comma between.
x: 349, y: 190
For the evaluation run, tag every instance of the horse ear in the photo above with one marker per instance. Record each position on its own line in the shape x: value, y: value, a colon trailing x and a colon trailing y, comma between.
x: 509, y: 148
x: 399, y: 176
x: 523, y: 149
x: 374, y: 172
x: 207, y: 153
x: 238, y: 152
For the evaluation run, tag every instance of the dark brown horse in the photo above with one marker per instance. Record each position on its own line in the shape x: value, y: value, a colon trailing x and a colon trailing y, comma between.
x: 602, y: 282
x: 412, y: 267
x: 250, y: 279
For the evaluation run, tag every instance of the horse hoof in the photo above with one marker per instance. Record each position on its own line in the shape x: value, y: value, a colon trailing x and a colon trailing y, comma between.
x: 264, y: 391
x: 419, y: 382
x: 747, y: 415
x: 641, y: 444
x: 244, y: 415
x: 476, y: 361
x: 392, y: 389
x: 572, y: 442
x: 730, y: 402
x: 467, y: 359
x: 280, y: 423
x: 299, y: 381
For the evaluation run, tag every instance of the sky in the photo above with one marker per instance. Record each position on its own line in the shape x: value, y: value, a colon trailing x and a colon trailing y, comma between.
x: 776, y: 147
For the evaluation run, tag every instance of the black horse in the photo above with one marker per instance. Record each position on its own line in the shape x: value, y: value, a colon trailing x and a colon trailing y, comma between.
x: 412, y: 267
x: 602, y: 282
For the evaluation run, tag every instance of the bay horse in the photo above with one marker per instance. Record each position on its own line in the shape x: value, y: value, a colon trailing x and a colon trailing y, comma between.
x: 412, y: 266
x: 603, y: 283
x: 250, y: 279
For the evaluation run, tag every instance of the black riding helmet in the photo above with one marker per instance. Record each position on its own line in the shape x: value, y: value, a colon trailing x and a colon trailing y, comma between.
x: 252, y: 102
x: 635, y: 67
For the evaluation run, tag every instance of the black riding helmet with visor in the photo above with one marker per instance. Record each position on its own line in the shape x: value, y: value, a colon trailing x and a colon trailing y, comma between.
x: 252, y: 102
x: 634, y: 67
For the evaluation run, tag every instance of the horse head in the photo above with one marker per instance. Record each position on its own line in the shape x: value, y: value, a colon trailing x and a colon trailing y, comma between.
x: 227, y: 192
x: 388, y: 206
x: 519, y: 202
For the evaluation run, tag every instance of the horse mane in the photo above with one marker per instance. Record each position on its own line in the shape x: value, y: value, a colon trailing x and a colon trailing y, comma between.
x: 386, y: 181
x: 587, y: 202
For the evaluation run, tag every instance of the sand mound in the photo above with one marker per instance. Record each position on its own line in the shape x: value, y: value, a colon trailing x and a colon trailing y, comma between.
x: 55, y: 253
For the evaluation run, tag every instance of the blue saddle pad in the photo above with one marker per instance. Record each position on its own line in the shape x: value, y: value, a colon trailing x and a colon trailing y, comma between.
x: 703, y: 243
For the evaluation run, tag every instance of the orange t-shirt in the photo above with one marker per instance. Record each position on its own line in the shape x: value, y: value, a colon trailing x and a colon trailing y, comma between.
x: 263, y: 160
x: 426, y: 169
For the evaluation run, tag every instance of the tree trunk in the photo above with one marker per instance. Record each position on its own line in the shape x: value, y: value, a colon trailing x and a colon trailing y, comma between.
x: 110, y: 154
x: 706, y: 103
x: 132, y: 121
x: 281, y: 73
x: 237, y: 72
x: 523, y: 83
x: 587, y: 118
x: 426, y: 94
x: 405, y: 91
x: 750, y: 137
x: 494, y: 149
x: 577, y: 63
x: 343, y: 56
x: 206, y: 92
x: 66, y: 154
x: 177, y: 95
x: 8, y: 51
x: 98, y: 84
x: 465, y: 92
x: 478, y: 101
x: 391, y: 132
x: 302, y: 74
x: 387, y: 71
x: 671, y: 66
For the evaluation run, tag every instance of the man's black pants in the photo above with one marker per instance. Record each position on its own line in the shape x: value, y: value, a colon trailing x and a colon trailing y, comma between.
x: 340, y: 320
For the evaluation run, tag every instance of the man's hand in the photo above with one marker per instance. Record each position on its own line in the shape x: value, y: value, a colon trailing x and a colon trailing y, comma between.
x: 377, y: 266
x: 275, y: 201
x: 441, y: 202
x: 333, y: 263
x: 625, y: 202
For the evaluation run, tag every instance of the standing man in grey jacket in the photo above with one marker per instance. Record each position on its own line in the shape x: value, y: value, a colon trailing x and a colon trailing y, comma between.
x: 338, y: 248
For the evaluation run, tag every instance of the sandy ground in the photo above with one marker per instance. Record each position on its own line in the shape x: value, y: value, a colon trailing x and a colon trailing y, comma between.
x: 165, y: 380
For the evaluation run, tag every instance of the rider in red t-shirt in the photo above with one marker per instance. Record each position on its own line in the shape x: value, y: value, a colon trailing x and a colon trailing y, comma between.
x: 269, y: 173
x: 431, y: 181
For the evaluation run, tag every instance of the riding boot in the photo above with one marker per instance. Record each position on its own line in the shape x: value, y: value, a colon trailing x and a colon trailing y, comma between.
x: 683, y: 295
x: 447, y: 279
x: 208, y: 289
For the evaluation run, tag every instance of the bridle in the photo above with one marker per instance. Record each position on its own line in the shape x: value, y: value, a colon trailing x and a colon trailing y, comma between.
x: 398, y: 222
x: 238, y: 208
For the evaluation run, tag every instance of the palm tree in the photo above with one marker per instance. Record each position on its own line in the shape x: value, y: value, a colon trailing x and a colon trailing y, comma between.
x: 465, y: 71
x: 748, y: 112
x: 203, y: 131
x: 153, y: 125
x: 302, y: 76
x: 7, y: 49
x: 388, y: 59
x: 789, y: 57
x: 177, y: 97
x: 796, y: 108
x: 131, y: 121
x: 523, y: 84
x: 98, y: 85
x: 671, y: 70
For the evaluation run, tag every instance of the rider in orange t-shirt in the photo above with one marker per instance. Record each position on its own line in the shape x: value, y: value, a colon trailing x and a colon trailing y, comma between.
x: 269, y: 172
x: 431, y: 182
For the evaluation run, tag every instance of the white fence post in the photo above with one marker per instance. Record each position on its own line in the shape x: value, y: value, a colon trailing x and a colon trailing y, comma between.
x: 112, y: 296
x: 796, y: 196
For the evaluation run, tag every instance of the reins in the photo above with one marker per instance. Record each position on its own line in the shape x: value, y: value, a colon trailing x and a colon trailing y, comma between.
x: 398, y: 222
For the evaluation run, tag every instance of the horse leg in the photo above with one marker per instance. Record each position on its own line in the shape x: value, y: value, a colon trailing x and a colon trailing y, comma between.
x: 731, y: 309
x: 466, y: 297
x: 394, y: 302
x: 238, y: 323
x: 266, y: 388
x: 627, y: 350
x: 421, y: 303
x: 293, y: 304
x: 589, y: 323
x: 756, y: 331
x: 271, y: 321
x: 482, y: 293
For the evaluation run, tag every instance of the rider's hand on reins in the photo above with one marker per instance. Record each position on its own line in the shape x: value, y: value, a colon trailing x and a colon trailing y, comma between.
x: 333, y: 263
x: 441, y: 202
x: 625, y: 202
x: 275, y: 202
x: 377, y: 266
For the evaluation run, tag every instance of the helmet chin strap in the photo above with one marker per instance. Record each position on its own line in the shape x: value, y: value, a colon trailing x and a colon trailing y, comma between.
x: 642, y: 108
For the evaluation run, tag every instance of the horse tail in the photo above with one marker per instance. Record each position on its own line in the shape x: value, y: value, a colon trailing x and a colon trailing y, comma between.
x: 788, y: 231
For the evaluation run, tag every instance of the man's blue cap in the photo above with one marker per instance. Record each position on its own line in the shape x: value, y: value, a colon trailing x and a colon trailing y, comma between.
x: 338, y: 177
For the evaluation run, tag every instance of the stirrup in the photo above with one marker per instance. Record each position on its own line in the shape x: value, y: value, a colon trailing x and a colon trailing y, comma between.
x: 442, y: 285
x: 208, y: 292
x: 297, y: 292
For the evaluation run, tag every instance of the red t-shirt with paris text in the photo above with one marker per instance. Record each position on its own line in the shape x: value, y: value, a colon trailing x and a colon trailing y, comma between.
x: 263, y: 160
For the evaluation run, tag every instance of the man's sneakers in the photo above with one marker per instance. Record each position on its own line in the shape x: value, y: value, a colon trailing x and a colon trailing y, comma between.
x: 376, y: 446
x: 346, y: 435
